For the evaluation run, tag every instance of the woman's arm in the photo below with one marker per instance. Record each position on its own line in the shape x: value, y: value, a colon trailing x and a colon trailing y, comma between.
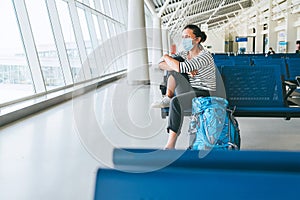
x: 196, y: 63
x: 169, y: 64
x: 164, y: 66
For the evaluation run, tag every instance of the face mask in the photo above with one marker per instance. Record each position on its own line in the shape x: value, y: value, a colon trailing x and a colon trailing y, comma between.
x: 187, y: 44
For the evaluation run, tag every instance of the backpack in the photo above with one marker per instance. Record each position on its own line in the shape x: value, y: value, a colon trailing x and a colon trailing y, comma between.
x: 213, y: 125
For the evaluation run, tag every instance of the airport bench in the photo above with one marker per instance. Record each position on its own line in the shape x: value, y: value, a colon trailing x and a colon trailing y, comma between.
x: 217, y: 175
x: 255, y: 91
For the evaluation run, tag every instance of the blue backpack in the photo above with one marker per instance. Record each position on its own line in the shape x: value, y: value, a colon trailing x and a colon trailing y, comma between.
x: 213, y: 125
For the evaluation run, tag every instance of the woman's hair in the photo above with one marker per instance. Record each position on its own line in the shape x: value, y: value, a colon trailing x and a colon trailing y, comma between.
x: 197, y: 31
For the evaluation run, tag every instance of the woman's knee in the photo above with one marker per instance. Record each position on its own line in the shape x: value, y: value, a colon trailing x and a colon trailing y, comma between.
x: 174, y: 101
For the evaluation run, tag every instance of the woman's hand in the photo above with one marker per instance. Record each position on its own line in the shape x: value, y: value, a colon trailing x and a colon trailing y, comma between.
x: 171, y: 62
x: 193, y: 73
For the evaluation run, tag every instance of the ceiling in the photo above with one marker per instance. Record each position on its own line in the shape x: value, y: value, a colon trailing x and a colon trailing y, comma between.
x: 175, y: 14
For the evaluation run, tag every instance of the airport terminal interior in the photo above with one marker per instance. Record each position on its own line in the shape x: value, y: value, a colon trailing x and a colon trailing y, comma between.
x: 78, y: 77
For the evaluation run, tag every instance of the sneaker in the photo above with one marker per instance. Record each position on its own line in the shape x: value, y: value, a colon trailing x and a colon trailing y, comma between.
x: 163, y: 103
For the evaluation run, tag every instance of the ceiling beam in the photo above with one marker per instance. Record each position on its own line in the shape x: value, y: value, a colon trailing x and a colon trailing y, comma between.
x: 215, y: 11
x: 208, y: 11
x: 215, y: 23
x: 171, y: 6
x: 174, y: 13
x: 244, y: 14
x: 187, y: 7
x: 213, y: 18
x: 163, y: 8
x: 150, y: 5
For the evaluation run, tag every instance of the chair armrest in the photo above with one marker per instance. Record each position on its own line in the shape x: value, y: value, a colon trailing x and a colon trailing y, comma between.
x: 292, y: 87
x: 298, y: 80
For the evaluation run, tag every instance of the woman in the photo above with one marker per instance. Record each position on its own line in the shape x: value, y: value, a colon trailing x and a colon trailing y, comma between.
x: 199, y: 65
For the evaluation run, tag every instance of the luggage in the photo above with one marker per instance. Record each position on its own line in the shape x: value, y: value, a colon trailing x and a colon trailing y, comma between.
x: 213, y: 125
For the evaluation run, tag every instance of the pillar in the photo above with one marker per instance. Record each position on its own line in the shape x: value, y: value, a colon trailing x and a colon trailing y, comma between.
x: 165, y: 40
x: 138, y: 69
x: 259, y: 36
x: 156, y: 41
x: 272, y: 35
x: 291, y: 30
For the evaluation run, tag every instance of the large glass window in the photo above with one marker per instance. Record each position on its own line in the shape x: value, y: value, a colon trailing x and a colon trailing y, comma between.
x: 102, y: 7
x: 69, y: 38
x: 15, y: 75
x: 97, y: 29
x: 99, y: 51
x: 92, y: 3
x: 87, y: 42
x: 45, y: 44
x: 107, y: 8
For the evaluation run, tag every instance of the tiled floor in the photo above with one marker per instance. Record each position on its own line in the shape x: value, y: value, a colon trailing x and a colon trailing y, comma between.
x: 55, y: 154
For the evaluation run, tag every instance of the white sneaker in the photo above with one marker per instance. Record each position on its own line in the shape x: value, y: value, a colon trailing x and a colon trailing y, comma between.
x: 163, y: 103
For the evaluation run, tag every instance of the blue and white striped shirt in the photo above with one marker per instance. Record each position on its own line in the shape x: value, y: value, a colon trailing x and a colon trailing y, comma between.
x: 205, y: 79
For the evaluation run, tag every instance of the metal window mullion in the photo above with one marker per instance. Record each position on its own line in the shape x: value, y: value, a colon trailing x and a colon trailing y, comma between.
x: 114, y: 45
x: 59, y: 40
x: 111, y: 33
x: 29, y: 46
x: 120, y: 34
x: 86, y: 2
x: 115, y: 11
x: 94, y: 39
x: 124, y: 8
x: 98, y: 5
x: 107, y: 11
x: 91, y: 59
x: 108, y: 47
x: 121, y: 12
x: 99, y: 48
x: 80, y: 40
x: 107, y: 44
x: 118, y: 50
x: 104, y: 36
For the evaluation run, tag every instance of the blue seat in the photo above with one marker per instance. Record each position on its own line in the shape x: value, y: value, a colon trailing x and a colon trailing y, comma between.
x: 257, y: 91
x: 293, y: 65
x: 271, y: 61
x: 220, y: 56
x: 292, y: 55
x: 217, y: 175
x: 241, y: 60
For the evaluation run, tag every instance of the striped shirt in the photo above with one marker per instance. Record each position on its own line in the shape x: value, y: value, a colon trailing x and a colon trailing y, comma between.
x: 205, y: 79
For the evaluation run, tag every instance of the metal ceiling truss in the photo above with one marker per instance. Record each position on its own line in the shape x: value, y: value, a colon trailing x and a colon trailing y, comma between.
x: 217, y: 14
x: 175, y: 14
x: 182, y: 18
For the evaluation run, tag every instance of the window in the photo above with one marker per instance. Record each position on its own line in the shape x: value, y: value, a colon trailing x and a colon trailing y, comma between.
x: 87, y: 42
x: 97, y: 28
x: 15, y: 76
x: 45, y: 44
x: 92, y: 4
x: 69, y: 38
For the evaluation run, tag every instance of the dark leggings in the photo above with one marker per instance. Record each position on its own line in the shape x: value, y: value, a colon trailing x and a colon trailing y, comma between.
x: 183, y: 100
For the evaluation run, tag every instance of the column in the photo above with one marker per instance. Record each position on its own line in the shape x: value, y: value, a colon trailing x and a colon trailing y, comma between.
x: 156, y: 41
x: 291, y: 30
x: 272, y: 35
x: 259, y: 36
x: 165, y: 40
x: 138, y: 69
